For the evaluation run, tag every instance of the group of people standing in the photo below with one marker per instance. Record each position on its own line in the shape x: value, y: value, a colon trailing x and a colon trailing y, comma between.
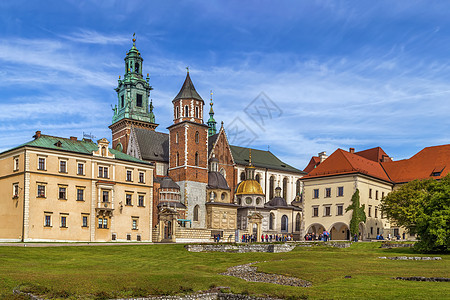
x: 324, y: 236
x: 267, y: 238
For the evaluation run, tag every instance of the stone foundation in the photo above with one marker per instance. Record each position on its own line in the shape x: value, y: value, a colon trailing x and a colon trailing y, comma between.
x: 244, y: 248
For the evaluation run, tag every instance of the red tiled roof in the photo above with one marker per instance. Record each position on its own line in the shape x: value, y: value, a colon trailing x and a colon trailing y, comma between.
x: 313, y: 163
x: 376, y: 154
x: 343, y: 162
x: 429, y: 160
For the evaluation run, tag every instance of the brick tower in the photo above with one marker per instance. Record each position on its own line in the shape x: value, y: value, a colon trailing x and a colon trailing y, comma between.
x: 133, y: 107
x: 188, y: 162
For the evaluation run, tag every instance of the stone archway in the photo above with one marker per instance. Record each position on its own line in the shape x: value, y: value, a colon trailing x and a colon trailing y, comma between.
x: 339, y: 231
x: 316, y: 228
x: 255, y: 219
x: 362, y: 231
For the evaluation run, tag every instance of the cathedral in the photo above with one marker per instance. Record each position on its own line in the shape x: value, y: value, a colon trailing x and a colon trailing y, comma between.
x: 203, y: 186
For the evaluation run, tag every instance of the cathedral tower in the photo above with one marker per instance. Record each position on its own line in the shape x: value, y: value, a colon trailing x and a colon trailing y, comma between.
x: 133, y: 108
x: 188, y: 161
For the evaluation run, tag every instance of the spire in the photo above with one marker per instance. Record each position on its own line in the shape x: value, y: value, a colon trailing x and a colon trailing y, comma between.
x: 211, y: 122
x: 249, y: 156
x: 188, y: 90
x: 250, y: 169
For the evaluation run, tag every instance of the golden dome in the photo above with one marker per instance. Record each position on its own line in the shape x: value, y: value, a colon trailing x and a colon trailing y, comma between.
x: 249, y: 187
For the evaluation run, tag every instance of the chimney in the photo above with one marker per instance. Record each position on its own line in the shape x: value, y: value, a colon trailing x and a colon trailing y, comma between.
x: 352, y: 150
x: 73, y: 138
x: 323, y: 155
x: 37, y: 134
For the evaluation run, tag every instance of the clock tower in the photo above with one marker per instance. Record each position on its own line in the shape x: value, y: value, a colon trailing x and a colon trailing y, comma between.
x: 133, y: 108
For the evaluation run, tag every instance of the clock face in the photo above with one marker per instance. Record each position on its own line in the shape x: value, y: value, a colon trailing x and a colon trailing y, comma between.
x: 139, y: 86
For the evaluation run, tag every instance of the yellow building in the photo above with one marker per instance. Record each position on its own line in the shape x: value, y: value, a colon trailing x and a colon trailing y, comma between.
x: 57, y: 189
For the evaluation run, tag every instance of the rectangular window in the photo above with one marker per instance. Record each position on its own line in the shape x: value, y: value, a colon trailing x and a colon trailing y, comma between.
x: 41, y: 163
x: 48, y: 221
x: 382, y: 195
x: 371, y: 230
x: 140, y: 200
x: 105, y: 196
x: 315, y: 211
x: 114, y: 236
x: 80, y: 194
x: 41, y: 191
x: 63, y: 222
x: 63, y: 166
x: 100, y: 172
x: 129, y: 175
x: 141, y: 177
x: 80, y: 169
x: 16, y: 163
x: 138, y: 100
x: 100, y: 223
x: 327, y: 211
x: 340, y: 210
x: 105, y: 172
x: 340, y: 191
x: 134, y: 224
x: 105, y: 223
x: 62, y: 193
x: 128, y: 199
x: 15, y: 190
x: 378, y: 230
x: 122, y: 102
x: 128, y: 237
x: 84, y: 220
x: 316, y: 193
x: 376, y: 195
x: 138, y: 237
x: 370, y: 193
x: 327, y: 192
x: 370, y: 210
x: 376, y: 212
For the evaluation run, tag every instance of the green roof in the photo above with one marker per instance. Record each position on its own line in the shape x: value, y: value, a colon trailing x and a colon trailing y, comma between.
x: 261, y: 159
x: 76, y: 146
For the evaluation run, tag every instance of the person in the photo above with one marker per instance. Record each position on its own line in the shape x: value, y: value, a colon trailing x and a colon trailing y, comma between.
x: 378, y: 237
x: 262, y: 237
x: 381, y: 237
x: 403, y: 235
x: 389, y: 236
x: 267, y: 238
x: 355, y: 238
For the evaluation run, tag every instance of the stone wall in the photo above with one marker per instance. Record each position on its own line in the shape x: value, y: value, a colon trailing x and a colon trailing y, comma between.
x: 244, y: 248
x: 201, y: 235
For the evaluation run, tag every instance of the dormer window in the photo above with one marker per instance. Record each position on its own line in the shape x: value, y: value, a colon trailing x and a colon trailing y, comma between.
x: 58, y: 144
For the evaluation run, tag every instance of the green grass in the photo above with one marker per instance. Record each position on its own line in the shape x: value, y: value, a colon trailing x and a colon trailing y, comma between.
x: 133, y: 271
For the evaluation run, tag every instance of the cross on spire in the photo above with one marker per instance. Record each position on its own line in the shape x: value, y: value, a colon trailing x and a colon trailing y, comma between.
x: 187, y: 68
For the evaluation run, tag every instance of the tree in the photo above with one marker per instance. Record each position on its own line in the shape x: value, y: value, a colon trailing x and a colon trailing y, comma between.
x: 423, y: 207
x: 358, y: 213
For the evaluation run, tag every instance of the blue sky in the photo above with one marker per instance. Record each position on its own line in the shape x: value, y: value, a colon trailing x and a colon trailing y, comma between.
x: 341, y: 74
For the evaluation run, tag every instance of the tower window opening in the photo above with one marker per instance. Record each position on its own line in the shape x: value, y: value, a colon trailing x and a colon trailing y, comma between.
x: 177, y: 112
x: 136, y: 67
x: 186, y: 111
x: 196, y: 158
x: 122, y: 101
x: 196, y: 112
x: 138, y: 100
x: 177, y: 163
x: 196, y: 137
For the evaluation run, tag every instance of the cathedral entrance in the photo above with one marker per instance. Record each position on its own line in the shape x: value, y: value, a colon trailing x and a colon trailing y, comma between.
x: 255, y: 221
x: 167, y: 230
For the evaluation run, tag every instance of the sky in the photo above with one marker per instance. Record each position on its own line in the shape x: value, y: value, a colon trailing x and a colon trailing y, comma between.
x: 294, y: 77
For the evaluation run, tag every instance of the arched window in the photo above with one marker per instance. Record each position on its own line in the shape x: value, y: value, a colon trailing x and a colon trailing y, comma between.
x: 177, y: 112
x: 196, y: 158
x: 176, y: 138
x: 119, y: 147
x: 196, y: 137
x: 257, y: 178
x: 285, y: 181
x: 297, y: 222
x: 271, y: 186
x: 186, y: 111
x: 297, y: 187
x: 196, y: 208
x: 196, y: 112
x: 271, y: 221
x: 242, y: 176
x: 284, y: 223
x: 222, y: 171
x: 177, y: 163
x: 136, y: 67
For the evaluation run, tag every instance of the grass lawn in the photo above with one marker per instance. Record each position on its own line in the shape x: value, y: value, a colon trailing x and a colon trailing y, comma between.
x: 140, y: 270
